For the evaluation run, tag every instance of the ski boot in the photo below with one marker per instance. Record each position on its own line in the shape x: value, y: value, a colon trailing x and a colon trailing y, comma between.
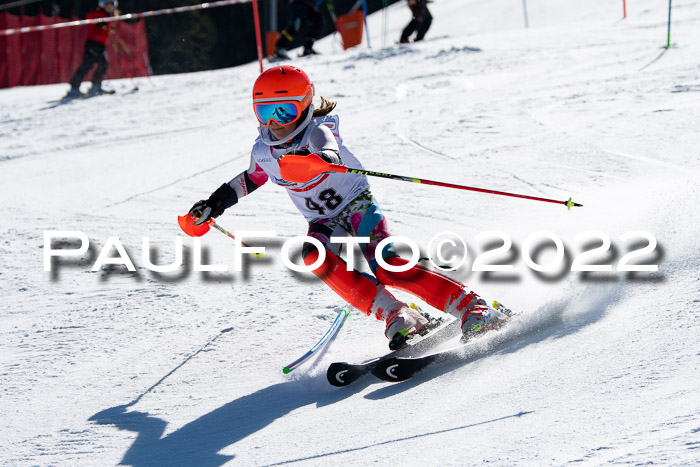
x: 95, y: 90
x: 73, y: 93
x: 401, y: 320
x: 308, y: 51
x: 475, y: 315
x: 281, y: 54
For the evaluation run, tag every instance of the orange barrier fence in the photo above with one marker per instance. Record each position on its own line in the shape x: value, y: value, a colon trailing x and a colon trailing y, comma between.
x: 53, y: 55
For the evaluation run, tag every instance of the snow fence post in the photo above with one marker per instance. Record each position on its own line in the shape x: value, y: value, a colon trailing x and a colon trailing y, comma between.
x: 258, y: 38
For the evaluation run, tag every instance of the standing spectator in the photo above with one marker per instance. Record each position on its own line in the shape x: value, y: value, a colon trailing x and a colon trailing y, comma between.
x: 301, y: 13
x: 94, y: 52
x: 420, y: 22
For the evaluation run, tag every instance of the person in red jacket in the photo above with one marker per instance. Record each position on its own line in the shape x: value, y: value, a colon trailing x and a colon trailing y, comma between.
x: 94, y: 52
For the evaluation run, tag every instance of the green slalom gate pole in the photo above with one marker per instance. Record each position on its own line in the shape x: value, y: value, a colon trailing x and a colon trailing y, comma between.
x: 327, y: 337
x: 385, y: 17
x: 668, y: 35
x: 364, y: 9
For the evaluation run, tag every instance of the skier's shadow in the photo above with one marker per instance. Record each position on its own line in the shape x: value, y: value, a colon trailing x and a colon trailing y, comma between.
x: 199, y: 442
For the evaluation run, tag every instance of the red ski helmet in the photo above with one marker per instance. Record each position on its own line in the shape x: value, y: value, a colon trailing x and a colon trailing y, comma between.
x: 282, y: 94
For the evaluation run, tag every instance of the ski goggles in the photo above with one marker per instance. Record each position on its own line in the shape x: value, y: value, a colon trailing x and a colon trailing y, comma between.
x: 282, y: 112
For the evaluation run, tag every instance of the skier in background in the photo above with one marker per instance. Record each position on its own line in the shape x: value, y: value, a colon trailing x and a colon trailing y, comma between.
x: 94, y: 50
x: 420, y: 23
x: 335, y: 203
x: 301, y: 12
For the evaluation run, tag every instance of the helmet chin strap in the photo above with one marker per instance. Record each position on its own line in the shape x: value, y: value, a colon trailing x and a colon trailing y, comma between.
x: 302, y: 126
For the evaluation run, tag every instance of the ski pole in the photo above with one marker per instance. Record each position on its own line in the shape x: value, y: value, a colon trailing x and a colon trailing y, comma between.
x: 188, y: 226
x: 331, y: 10
x: 230, y: 235
x: 301, y: 169
x: 125, y: 67
x: 133, y: 59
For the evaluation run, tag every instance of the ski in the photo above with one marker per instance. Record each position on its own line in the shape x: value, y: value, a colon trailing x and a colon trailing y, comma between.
x: 63, y: 100
x: 101, y: 93
x: 66, y: 99
x: 400, y: 368
x: 342, y: 373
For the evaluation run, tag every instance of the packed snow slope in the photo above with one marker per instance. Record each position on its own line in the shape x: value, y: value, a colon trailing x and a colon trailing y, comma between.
x: 184, y: 367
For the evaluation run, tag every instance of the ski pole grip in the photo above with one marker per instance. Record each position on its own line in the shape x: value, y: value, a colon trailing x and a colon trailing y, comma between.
x: 302, y: 168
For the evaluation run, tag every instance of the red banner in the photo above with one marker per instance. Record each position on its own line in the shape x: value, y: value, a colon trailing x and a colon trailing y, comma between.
x: 51, y: 56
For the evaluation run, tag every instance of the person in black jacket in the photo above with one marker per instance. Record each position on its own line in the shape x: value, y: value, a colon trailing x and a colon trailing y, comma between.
x: 301, y: 12
x: 420, y: 22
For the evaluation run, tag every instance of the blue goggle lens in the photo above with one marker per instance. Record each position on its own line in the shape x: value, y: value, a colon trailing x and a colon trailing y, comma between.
x: 283, y: 113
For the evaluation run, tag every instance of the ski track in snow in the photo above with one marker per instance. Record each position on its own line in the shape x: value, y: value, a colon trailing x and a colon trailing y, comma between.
x: 112, y: 367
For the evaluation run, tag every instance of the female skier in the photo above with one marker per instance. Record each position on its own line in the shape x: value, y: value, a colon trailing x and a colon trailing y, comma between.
x: 289, y: 124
